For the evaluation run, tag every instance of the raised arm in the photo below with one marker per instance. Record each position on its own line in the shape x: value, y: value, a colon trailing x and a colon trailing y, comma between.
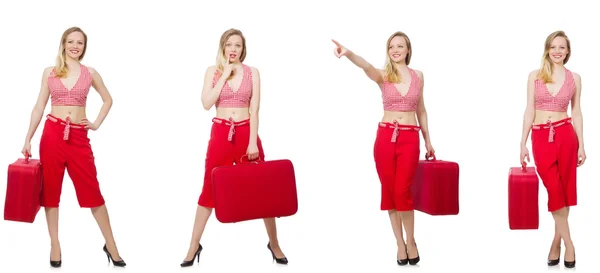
x: 210, y: 94
x: 38, y: 111
x: 373, y: 73
x: 529, y: 115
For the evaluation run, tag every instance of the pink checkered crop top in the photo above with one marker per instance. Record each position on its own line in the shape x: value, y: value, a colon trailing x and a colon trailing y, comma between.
x: 394, y: 101
x: 77, y: 96
x: 559, y: 102
x: 239, y: 98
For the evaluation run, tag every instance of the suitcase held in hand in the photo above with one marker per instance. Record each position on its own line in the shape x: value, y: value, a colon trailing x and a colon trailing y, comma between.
x: 254, y: 190
x: 435, y: 188
x: 23, y: 190
x: 523, y: 194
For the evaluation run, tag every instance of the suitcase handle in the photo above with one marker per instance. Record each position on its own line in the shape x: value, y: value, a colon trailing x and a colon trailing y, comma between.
x: 432, y: 155
x: 524, y: 166
x: 250, y: 161
x: 27, y: 156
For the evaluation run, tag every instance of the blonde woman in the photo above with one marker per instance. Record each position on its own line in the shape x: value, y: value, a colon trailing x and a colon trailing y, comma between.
x: 397, y: 146
x: 556, y: 138
x: 233, y: 88
x: 65, y: 144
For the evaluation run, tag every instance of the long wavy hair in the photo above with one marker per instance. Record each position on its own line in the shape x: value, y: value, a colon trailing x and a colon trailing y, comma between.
x: 61, y: 68
x: 391, y: 71
x: 545, y: 72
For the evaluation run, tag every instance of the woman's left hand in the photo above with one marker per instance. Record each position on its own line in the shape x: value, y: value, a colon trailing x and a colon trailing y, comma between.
x: 89, y: 125
x: 430, y: 150
x: 252, y: 152
x: 580, y: 157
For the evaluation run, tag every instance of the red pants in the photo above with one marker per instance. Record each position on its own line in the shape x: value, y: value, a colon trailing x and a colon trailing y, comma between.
x: 554, y: 147
x: 66, y: 145
x: 228, y: 143
x: 396, y: 153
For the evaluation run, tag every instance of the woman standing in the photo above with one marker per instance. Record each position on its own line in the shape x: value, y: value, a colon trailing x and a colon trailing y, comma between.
x: 397, y: 146
x: 234, y: 89
x: 65, y: 144
x: 557, y: 139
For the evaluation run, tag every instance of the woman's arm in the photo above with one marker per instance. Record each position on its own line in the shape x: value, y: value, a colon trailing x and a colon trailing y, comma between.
x: 576, y: 110
x: 107, y: 100
x: 210, y: 94
x: 529, y: 115
x: 40, y: 105
x: 254, y: 107
x: 422, y: 112
x: 373, y: 73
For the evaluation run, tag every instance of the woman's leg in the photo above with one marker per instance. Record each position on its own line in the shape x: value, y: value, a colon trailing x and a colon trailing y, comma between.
x: 271, y: 227
x: 100, y: 213
x: 396, y: 221
x: 218, y: 153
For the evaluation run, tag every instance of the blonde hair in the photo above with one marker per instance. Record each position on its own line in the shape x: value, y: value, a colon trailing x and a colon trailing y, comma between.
x: 61, y: 69
x: 391, y: 71
x: 545, y: 72
x: 221, y: 58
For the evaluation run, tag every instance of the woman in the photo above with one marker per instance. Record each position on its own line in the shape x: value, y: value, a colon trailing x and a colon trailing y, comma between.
x: 557, y: 140
x: 65, y: 143
x: 397, y: 149
x: 234, y: 89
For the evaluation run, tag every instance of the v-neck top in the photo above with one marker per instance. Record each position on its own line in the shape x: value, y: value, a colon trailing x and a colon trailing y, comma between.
x: 394, y: 101
x: 239, y: 98
x: 77, y: 96
x: 559, y: 102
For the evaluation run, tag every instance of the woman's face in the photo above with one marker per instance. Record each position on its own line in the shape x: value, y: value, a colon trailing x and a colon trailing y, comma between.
x: 233, y: 48
x: 398, y: 49
x: 558, y: 50
x: 74, y: 45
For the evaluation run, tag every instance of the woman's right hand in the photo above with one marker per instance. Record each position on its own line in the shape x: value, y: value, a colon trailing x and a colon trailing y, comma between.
x: 524, y: 154
x: 339, y: 49
x: 227, y: 69
x: 26, y: 150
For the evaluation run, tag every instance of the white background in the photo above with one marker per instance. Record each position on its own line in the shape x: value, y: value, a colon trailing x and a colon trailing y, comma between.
x: 317, y: 110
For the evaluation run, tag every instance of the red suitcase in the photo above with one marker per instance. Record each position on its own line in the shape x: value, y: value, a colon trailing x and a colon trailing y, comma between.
x: 435, y: 187
x: 254, y: 190
x: 23, y: 190
x: 523, y: 190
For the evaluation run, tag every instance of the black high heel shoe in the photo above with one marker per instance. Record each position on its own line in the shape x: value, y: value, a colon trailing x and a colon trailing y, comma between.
x: 196, y: 255
x: 403, y: 261
x: 415, y: 260
x: 56, y: 264
x: 120, y: 263
x: 570, y: 264
x: 555, y: 261
x: 283, y: 260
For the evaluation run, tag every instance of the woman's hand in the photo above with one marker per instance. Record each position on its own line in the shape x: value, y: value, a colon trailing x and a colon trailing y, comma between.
x: 524, y: 153
x: 89, y: 125
x: 580, y: 157
x: 430, y: 150
x: 26, y: 150
x: 252, y: 152
x: 339, y: 49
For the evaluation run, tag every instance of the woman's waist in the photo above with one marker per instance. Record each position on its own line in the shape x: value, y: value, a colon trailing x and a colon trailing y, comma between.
x: 402, y: 118
x: 75, y: 114
x: 542, y: 117
x: 234, y: 114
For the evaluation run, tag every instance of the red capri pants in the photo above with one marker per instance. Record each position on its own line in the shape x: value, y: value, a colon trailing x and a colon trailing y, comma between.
x: 396, y: 153
x: 227, y: 145
x: 554, y: 147
x: 65, y: 145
